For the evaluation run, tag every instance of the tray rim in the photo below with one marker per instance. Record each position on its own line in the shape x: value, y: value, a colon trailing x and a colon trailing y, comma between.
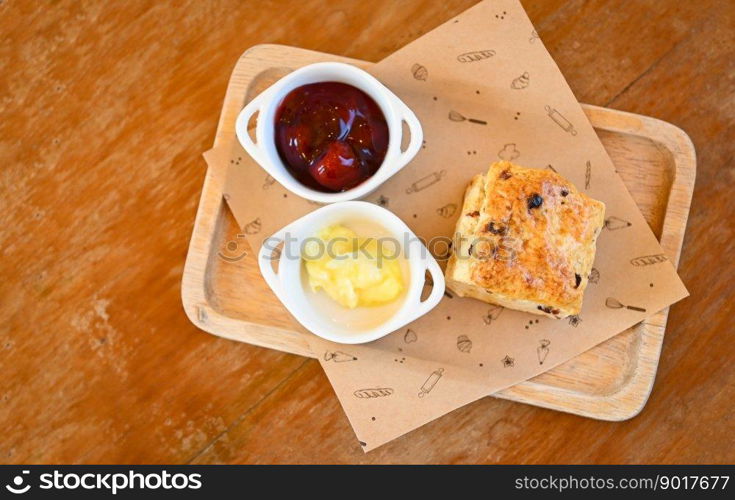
x: 620, y: 405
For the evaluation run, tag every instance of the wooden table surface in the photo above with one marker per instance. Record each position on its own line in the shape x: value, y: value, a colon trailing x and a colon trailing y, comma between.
x: 106, y: 108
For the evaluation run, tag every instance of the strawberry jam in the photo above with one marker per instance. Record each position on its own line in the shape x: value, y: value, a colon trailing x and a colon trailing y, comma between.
x: 331, y: 136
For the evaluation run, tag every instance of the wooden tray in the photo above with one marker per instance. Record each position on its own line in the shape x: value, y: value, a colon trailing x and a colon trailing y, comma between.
x: 224, y: 294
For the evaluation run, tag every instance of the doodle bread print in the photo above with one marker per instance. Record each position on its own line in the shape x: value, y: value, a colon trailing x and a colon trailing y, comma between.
x: 410, y: 337
x: 542, y: 351
x: 419, y: 72
x: 372, y: 393
x: 521, y: 82
x: 648, y: 260
x: 534, y: 36
x: 253, y: 227
x: 614, y: 303
x: 509, y: 152
x: 475, y: 56
x: 456, y: 116
x: 587, y: 175
x: 613, y: 223
x: 430, y: 382
x: 426, y: 181
x: 560, y: 120
x: 268, y: 182
x: 464, y: 344
x: 383, y: 201
x: 447, y: 210
x: 338, y: 356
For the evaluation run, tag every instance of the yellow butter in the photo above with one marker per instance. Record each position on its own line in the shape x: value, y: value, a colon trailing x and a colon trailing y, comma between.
x: 351, y: 272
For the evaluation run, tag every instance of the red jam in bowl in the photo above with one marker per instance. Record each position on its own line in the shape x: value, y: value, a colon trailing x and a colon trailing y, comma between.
x: 331, y: 136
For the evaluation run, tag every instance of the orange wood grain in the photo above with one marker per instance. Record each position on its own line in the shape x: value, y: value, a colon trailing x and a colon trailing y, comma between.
x: 106, y: 107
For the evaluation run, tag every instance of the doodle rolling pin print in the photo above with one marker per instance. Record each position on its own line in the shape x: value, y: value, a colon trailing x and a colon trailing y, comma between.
x: 431, y: 382
x: 559, y: 119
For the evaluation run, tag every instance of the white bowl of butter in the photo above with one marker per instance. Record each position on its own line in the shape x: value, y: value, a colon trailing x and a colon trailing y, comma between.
x: 351, y: 272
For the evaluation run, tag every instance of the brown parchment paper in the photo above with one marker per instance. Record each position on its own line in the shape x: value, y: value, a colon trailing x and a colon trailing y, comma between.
x: 484, y: 88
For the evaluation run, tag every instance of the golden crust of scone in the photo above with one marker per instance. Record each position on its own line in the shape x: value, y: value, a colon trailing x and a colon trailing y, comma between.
x: 525, y: 240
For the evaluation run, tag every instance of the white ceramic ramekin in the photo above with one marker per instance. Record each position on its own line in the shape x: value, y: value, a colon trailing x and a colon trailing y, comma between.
x: 264, y: 151
x: 286, y: 279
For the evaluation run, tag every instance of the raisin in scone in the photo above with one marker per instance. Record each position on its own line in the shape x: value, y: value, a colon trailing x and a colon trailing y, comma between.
x: 525, y: 240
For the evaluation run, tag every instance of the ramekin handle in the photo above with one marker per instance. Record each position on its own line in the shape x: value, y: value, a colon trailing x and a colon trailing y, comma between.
x: 414, y: 127
x: 265, y: 259
x: 437, y: 292
x: 241, y: 127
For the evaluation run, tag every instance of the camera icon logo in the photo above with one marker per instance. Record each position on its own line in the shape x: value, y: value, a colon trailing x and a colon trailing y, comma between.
x: 17, y: 485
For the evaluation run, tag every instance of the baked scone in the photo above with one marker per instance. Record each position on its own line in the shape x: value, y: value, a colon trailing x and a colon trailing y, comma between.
x: 525, y: 240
